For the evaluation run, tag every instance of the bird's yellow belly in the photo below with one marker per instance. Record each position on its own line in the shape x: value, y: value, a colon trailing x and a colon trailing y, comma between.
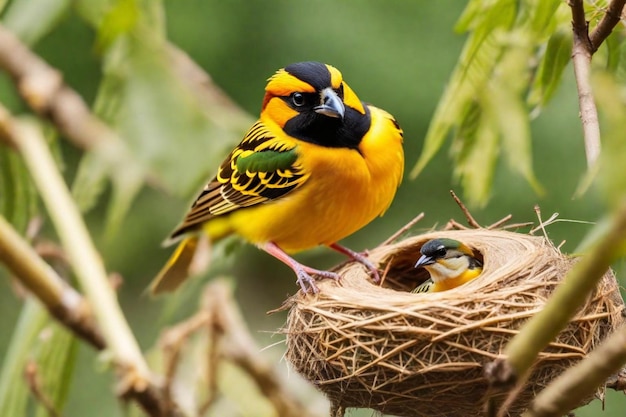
x: 334, y: 203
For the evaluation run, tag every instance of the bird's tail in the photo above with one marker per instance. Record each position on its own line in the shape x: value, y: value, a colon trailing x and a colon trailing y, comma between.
x: 189, y: 258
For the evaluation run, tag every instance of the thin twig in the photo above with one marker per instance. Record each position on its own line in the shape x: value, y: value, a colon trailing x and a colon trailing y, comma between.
x: 516, y: 225
x: 581, y: 58
x: 542, y: 224
x: 611, y: 18
x: 454, y: 225
x: 239, y: 347
x: 470, y: 219
x: 62, y: 301
x: 43, y: 89
x: 216, y: 104
x: 172, y: 342
x: 213, y: 358
x: 32, y: 380
x: 402, y: 230
x: 500, y: 222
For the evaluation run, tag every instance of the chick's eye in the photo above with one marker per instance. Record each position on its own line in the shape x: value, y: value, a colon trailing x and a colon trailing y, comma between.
x: 441, y: 252
x: 297, y: 99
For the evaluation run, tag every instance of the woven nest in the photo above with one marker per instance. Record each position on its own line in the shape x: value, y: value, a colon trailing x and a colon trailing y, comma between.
x: 423, y: 354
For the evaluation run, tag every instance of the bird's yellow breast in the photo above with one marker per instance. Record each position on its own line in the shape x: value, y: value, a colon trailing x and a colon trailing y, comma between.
x: 453, y: 282
x: 345, y: 190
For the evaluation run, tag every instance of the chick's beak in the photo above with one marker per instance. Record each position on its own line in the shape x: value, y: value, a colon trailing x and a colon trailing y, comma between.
x: 331, y: 106
x: 424, y: 261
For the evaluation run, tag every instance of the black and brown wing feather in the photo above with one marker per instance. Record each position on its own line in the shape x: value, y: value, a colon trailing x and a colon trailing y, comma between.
x: 261, y: 168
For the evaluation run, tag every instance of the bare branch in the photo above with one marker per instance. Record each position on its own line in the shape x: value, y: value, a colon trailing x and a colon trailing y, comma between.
x: 172, y: 342
x: 581, y: 57
x: 611, y: 18
x: 470, y: 219
x: 32, y: 380
x: 218, y: 106
x: 61, y: 300
x: 239, y: 347
x: 500, y: 222
x: 43, y: 89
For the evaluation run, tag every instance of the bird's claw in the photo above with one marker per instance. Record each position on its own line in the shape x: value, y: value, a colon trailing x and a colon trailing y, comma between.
x: 306, y: 281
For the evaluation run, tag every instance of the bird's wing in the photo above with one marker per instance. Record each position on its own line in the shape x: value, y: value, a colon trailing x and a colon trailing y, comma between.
x: 262, y: 167
x: 423, y: 287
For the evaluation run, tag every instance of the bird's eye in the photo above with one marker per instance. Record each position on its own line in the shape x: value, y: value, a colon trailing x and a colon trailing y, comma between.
x: 297, y: 99
x: 441, y: 252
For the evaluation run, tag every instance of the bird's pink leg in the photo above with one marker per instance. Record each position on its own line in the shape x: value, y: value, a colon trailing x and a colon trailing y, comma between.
x: 359, y: 257
x: 303, y: 272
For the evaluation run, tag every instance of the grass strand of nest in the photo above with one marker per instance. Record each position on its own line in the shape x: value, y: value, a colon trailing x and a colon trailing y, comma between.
x: 406, y: 354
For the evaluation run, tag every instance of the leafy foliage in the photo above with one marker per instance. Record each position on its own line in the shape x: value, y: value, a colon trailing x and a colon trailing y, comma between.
x: 487, y: 100
x: 143, y: 97
x: 18, y: 197
x: 47, y: 345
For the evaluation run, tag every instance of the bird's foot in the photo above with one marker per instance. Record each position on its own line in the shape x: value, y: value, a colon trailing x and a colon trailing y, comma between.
x: 303, y: 272
x: 306, y: 280
x: 359, y: 257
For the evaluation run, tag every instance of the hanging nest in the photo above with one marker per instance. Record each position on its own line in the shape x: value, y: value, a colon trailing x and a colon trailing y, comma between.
x: 409, y: 354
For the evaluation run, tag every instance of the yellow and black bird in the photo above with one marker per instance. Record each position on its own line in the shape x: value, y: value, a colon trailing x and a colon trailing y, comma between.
x: 317, y: 166
x: 450, y: 264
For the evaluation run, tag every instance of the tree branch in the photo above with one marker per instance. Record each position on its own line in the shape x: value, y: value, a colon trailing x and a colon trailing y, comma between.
x: 534, y: 336
x: 240, y: 347
x: 61, y: 300
x: 582, y: 380
x: 43, y: 89
x: 85, y: 261
x: 581, y: 57
x: 611, y: 18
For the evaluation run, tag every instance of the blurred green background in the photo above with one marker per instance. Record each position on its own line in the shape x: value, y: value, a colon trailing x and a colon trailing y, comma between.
x: 395, y: 54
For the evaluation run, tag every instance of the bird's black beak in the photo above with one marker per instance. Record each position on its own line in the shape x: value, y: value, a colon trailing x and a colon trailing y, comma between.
x: 331, y: 106
x: 425, y: 260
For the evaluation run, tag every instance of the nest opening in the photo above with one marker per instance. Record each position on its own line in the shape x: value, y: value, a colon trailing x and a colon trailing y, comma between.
x: 400, y: 271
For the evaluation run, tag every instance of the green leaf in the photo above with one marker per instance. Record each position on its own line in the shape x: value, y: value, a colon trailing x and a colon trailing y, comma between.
x: 511, y: 115
x: 477, y: 157
x: 31, y: 20
x: 470, y: 15
x: 478, y: 59
x: 611, y: 101
x: 55, y: 354
x: 543, y: 15
x: 556, y: 57
x: 38, y: 338
x: 14, y: 393
x: 614, y: 45
x: 174, y: 141
x: 505, y: 39
x: 120, y: 19
x: 18, y: 196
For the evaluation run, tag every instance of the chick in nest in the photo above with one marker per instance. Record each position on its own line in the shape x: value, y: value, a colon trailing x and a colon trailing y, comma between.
x: 449, y: 262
